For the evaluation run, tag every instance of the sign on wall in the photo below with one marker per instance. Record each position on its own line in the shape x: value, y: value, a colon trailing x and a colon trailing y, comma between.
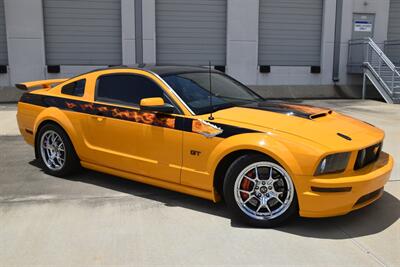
x: 362, y: 26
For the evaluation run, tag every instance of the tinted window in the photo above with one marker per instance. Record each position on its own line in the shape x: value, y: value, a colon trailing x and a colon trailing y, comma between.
x: 127, y: 89
x: 75, y: 88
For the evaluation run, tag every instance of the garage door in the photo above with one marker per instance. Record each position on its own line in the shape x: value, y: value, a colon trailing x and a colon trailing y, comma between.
x: 83, y: 32
x: 3, y: 37
x: 392, y: 46
x: 394, y: 20
x: 290, y: 32
x: 191, y: 32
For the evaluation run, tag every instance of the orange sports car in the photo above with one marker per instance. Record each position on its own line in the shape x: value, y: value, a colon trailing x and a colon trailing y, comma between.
x: 202, y: 133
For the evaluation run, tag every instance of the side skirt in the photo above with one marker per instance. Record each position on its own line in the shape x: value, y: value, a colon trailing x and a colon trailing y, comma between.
x: 209, y: 195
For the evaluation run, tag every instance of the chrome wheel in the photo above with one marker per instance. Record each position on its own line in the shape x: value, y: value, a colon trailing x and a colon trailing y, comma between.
x: 263, y: 190
x: 52, y: 150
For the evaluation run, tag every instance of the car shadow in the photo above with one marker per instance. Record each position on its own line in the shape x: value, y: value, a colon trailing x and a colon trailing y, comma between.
x: 367, y: 221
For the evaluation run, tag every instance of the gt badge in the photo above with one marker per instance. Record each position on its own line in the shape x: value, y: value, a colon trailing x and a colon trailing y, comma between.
x: 195, y: 153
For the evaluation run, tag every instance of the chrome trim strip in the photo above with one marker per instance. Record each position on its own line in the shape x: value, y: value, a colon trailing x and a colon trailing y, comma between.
x: 172, y: 91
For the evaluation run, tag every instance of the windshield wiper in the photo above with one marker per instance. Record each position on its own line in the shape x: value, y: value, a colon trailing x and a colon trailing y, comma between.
x: 234, y: 98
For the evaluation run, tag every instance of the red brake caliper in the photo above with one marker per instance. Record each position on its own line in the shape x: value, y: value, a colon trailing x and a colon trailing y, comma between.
x: 245, y: 185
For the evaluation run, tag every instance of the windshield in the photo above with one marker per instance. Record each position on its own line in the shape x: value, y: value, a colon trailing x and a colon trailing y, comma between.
x: 194, y: 89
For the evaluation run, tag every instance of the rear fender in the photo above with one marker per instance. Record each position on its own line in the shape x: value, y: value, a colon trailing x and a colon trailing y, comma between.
x: 58, y: 116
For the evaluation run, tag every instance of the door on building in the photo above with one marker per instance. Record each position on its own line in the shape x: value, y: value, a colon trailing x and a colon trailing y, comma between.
x: 191, y: 32
x: 83, y: 32
x: 363, y: 25
x: 290, y: 32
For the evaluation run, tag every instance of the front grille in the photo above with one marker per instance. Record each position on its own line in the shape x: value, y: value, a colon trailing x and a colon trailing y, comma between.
x: 368, y: 197
x: 367, y: 156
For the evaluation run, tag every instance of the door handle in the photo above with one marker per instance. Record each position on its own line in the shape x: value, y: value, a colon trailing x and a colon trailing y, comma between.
x: 97, y: 118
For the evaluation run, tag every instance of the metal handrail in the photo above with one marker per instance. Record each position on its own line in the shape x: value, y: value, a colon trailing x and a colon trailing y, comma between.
x: 382, y: 56
x: 381, y: 67
x: 385, y: 85
x: 365, y: 56
x: 392, y: 49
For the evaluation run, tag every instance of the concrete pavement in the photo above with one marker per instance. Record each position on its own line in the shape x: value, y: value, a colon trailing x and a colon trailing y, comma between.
x: 93, y: 219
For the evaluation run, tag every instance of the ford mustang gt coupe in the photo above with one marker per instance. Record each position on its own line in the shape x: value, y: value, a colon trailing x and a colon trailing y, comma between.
x: 200, y: 132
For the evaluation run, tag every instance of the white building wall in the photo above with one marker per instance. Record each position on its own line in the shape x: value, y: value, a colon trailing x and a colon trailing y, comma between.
x: 25, y: 39
x: 128, y: 32
x: 242, y: 40
x: 26, y: 50
x: 149, y: 31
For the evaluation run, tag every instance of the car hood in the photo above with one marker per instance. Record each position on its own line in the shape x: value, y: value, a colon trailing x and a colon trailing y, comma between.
x: 320, y: 125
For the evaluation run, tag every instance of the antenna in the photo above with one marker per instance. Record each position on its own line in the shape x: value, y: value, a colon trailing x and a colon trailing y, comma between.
x: 209, y: 76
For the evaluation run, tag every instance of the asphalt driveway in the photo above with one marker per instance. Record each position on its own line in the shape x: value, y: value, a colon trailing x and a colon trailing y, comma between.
x: 95, y: 219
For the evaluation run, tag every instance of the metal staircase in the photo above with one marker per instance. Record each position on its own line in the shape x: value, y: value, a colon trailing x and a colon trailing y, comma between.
x: 377, y: 68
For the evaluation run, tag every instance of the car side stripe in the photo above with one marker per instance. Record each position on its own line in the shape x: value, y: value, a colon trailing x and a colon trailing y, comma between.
x: 128, y: 114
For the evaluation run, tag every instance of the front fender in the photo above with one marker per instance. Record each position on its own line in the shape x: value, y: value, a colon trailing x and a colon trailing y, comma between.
x: 295, y: 155
x: 260, y: 142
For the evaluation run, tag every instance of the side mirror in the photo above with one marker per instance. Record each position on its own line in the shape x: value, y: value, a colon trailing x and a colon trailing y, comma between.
x: 156, y: 104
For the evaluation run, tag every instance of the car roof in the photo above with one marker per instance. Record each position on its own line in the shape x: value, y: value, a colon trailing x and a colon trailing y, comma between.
x: 161, y: 70
x: 167, y: 70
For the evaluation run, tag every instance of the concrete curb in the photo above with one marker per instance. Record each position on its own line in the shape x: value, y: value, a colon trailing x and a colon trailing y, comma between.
x: 9, y: 94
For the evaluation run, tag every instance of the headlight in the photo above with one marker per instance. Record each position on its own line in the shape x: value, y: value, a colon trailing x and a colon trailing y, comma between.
x: 333, y: 163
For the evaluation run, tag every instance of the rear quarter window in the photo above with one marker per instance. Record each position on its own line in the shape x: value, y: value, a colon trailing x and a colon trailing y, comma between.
x: 76, y: 88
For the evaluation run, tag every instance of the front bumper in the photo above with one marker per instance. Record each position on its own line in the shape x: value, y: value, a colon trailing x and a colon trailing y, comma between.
x: 366, y: 187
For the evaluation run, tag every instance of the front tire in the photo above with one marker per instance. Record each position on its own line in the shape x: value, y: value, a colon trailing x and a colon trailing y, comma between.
x: 55, y: 151
x: 259, y: 192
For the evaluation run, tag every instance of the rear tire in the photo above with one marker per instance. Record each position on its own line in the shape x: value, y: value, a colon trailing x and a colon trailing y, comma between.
x: 259, y: 192
x: 55, y: 151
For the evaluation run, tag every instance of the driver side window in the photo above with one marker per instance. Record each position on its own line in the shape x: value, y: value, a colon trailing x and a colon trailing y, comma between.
x: 127, y: 89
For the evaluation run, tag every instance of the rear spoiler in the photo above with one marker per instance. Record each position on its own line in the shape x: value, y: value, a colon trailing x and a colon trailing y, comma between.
x: 45, y: 84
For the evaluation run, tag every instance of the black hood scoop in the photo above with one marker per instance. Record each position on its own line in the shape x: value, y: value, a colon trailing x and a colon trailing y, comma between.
x: 290, y: 109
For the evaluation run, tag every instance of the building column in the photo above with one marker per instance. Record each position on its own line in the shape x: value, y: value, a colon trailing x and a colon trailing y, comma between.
x: 25, y: 39
x: 149, y: 31
x: 128, y: 32
x: 242, y: 40
x: 327, y: 40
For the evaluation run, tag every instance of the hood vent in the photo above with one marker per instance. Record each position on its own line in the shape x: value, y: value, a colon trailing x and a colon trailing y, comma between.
x: 319, y: 115
x: 344, y: 136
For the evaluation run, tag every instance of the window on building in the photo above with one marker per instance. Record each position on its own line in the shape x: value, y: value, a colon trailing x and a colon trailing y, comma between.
x: 127, y: 89
x: 76, y: 88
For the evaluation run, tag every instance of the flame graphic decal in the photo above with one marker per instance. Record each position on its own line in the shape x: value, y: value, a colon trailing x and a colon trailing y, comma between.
x: 130, y: 114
